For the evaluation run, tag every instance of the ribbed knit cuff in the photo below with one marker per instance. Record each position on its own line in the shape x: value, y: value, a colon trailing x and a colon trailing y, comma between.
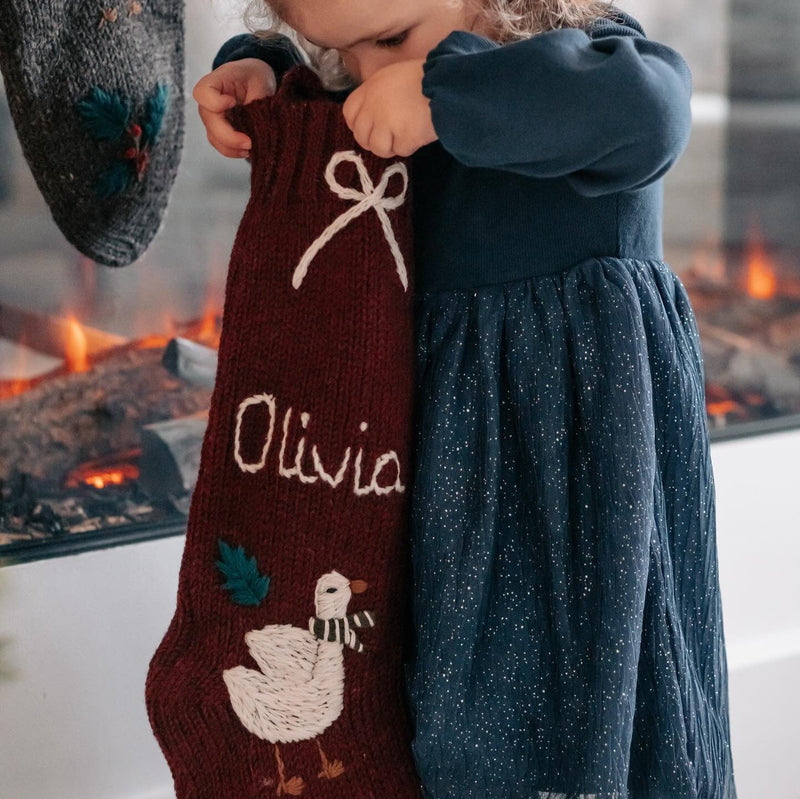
x: 293, y: 133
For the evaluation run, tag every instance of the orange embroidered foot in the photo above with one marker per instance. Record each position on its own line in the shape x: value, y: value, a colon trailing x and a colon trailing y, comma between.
x: 331, y: 769
x: 294, y: 786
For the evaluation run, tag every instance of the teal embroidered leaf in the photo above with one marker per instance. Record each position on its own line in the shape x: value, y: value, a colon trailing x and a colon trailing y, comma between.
x: 105, y: 116
x: 154, y: 115
x: 114, y: 180
x: 246, y: 584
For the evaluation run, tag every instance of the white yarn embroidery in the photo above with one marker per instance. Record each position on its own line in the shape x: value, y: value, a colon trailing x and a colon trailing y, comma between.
x: 298, y: 692
x: 256, y: 399
x: 370, y: 196
x: 390, y: 459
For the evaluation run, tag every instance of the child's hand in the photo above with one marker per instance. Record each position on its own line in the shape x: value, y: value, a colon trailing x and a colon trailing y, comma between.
x: 235, y: 83
x: 388, y: 113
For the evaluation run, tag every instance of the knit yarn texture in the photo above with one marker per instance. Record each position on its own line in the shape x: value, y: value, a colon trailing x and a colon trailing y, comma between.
x: 96, y: 95
x: 282, y: 670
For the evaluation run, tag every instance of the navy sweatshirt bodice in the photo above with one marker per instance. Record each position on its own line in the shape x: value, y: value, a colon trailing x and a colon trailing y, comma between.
x: 551, y: 149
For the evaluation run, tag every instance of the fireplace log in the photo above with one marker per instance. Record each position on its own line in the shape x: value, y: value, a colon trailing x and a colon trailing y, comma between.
x: 190, y: 361
x: 784, y: 332
x: 729, y: 338
x: 70, y: 418
x: 171, y: 455
x: 766, y: 373
x: 751, y: 366
x: 51, y: 334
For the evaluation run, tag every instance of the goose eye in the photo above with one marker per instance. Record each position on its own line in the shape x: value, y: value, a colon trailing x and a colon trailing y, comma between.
x: 331, y: 590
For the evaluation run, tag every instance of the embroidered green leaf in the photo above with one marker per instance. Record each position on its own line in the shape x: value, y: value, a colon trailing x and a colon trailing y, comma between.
x: 246, y: 584
x: 114, y: 180
x: 154, y: 115
x: 104, y: 115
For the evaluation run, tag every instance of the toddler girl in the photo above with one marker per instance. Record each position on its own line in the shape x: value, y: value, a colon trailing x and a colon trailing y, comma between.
x: 568, y: 624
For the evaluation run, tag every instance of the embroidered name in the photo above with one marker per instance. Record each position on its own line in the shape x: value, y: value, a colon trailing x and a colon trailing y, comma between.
x: 319, y: 470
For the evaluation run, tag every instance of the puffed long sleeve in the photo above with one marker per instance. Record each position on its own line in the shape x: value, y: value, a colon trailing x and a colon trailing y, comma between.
x: 278, y: 51
x: 605, y: 107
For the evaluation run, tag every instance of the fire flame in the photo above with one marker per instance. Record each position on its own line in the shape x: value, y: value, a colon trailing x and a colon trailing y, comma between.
x: 76, y: 347
x: 207, y: 333
x: 102, y: 479
x: 761, y: 282
x: 721, y: 408
x: 100, y: 475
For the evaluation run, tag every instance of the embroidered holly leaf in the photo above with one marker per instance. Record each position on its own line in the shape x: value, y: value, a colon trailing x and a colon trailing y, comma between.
x: 105, y: 115
x: 246, y: 584
x: 114, y: 180
x: 154, y: 114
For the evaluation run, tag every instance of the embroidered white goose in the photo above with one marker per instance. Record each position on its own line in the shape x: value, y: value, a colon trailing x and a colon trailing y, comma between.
x: 299, y: 691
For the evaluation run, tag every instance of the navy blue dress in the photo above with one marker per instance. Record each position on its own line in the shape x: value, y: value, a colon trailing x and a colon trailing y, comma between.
x: 568, y: 623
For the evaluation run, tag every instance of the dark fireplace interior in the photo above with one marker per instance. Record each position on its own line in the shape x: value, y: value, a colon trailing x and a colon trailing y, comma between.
x: 106, y: 374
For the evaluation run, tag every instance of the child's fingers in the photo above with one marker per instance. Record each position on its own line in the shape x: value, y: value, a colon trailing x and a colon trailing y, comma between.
x: 352, y: 105
x: 229, y: 152
x: 211, y: 92
x: 381, y: 143
x: 362, y: 129
x: 223, y: 136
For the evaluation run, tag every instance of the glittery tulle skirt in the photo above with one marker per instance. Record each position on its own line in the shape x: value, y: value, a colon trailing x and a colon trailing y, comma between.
x: 569, y: 639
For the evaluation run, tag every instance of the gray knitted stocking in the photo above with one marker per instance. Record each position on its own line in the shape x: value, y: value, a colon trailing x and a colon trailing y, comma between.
x: 96, y: 94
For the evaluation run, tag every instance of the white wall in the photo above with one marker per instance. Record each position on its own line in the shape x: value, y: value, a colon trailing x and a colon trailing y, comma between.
x: 74, y: 724
x: 758, y: 530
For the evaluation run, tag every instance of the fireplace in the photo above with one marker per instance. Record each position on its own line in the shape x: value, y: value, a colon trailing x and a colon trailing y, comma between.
x: 731, y: 207
x: 104, y: 432
x: 106, y: 374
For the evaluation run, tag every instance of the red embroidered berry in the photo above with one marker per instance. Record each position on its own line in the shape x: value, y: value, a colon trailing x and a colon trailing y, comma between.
x: 135, y: 130
x: 130, y: 153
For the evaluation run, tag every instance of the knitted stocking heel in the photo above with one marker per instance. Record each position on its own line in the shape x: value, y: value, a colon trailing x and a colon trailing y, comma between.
x: 281, y: 672
x: 96, y: 94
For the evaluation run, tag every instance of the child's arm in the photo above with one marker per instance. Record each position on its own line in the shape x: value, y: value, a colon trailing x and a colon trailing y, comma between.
x: 608, y: 108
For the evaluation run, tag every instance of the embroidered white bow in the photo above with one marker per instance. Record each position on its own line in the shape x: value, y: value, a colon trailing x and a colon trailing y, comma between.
x: 370, y: 196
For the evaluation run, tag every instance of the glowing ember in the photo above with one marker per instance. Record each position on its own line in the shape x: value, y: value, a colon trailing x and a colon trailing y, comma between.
x: 76, y: 347
x: 152, y: 342
x: 104, y: 473
x: 12, y: 388
x: 720, y: 408
x: 761, y: 281
x: 110, y: 478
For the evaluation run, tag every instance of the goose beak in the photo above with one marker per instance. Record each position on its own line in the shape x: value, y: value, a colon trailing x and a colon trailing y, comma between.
x: 358, y: 586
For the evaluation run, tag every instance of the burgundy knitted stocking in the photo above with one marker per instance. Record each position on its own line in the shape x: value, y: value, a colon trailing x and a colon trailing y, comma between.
x: 281, y: 671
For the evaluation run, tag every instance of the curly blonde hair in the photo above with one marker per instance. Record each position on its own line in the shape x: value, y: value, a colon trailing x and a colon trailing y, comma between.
x: 509, y: 20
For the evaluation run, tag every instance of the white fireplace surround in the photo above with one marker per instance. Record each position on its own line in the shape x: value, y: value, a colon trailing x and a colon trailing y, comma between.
x: 83, y: 628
